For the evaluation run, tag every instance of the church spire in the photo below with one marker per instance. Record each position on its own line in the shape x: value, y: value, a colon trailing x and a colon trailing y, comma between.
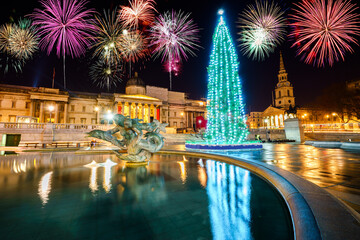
x: 282, y: 67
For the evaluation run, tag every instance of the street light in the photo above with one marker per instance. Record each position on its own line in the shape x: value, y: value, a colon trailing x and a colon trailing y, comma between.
x: 51, y: 108
x: 96, y: 109
x: 109, y: 116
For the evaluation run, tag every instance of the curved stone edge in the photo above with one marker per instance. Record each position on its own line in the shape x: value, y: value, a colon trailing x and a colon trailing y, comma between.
x: 224, y: 147
x: 304, y: 222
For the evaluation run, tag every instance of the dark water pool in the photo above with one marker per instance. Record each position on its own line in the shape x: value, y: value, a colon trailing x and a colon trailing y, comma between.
x: 69, y: 196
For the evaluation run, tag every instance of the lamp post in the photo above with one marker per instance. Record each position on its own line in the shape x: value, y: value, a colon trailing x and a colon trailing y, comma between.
x: 266, y: 131
x: 51, y: 108
x: 182, y: 119
x: 96, y: 109
x: 109, y: 116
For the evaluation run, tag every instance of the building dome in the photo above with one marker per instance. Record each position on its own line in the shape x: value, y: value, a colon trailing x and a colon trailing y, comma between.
x: 135, y: 86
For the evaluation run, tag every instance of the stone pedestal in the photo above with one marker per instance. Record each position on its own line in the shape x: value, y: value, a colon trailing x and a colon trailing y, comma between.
x: 294, y: 130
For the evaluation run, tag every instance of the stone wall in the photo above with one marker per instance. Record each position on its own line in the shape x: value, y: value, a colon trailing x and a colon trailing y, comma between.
x: 273, y: 134
x: 332, y: 136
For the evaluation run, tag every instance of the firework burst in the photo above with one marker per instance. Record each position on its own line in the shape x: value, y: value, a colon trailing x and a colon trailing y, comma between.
x: 133, y: 46
x: 262, y: 29
x: 174, y: 67
x: 65, y: 25
x: 324, y: 30
x: 108, y: 32
x: 174, y: 35
x: 7, y: 61
x: 140, y: 11
x: 23, y: 40
x: 5, y: 33
x: 106, y: 75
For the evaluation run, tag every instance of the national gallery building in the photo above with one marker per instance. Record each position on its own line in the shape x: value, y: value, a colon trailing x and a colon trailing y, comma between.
x: 39, y: 104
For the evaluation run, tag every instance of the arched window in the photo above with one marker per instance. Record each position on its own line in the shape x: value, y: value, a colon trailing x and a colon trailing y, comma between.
x: 288, y: 92
x: 279, y: 94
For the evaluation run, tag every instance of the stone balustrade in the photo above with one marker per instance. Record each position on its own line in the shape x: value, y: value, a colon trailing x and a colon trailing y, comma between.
x: 6, y: 126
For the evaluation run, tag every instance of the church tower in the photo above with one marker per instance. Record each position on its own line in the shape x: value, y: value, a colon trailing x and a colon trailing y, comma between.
x: 284, y: 93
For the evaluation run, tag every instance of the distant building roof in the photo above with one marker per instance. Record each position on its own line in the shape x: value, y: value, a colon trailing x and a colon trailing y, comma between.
x: 135, y: 81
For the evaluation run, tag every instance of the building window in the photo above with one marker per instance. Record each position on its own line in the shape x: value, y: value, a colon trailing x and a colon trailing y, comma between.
x: 13, y: 104
x: 71, y: 120
x: 174, y: 114
x: 12, y: 118
x: 83, y: 120
x: 27, y: 105
x: 0, y: 118
x: 93, y: 121
x: 279, y: 94
x: 289, y: 101
x: 288, y: 93
x: 83, y: 108
x: 279, y: 102
x: 72, y: 108
x: 175, y: 124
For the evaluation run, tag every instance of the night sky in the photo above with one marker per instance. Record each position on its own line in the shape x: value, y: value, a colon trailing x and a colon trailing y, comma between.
x: 258, y: 78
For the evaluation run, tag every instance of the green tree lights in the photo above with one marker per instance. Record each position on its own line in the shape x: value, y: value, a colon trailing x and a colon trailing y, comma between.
x: 225, y: 109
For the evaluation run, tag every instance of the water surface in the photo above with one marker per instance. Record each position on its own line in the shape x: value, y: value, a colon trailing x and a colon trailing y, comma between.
x: 70, y: 196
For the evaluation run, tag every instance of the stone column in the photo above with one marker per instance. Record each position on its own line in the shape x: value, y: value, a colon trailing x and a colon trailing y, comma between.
x: 160, y: 120
x: 115, y: 108
x: 143, y: 112
x: 136, y: 110
x: 56, y: 114
x: 41, y: 115
x: 122, y: 108
x: 31, y: 108
x: 65, y: 112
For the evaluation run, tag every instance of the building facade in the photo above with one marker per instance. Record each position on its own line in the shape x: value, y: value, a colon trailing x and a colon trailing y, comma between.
x: 29, y: 104
x: 273, y: 117
x: 283, y: 98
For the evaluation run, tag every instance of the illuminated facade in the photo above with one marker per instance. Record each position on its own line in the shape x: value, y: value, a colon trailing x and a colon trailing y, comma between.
x: 29, y: 104
x: 312, y: 119
x: 283, y: 97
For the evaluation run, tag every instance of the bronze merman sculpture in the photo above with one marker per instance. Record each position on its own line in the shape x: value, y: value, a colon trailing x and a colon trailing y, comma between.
x: 138, y: 149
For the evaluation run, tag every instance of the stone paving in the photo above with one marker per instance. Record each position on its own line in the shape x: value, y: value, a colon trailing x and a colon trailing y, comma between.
x: 335, y: 170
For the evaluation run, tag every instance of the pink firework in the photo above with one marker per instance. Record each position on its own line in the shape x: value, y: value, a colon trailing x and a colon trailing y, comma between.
x: 65, y: 25
x: 323, y: 30
x: 174, y: 35
x: 140, y: 11
x: 174, y: 67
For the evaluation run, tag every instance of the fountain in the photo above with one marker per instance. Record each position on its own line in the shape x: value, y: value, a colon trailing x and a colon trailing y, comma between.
x: 139, y: 150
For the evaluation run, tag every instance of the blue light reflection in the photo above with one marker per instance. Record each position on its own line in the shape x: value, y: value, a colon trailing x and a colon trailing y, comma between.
x: 228, y: 189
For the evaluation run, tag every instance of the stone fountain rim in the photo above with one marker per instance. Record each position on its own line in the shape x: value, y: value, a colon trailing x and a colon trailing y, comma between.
x: 309, y: 219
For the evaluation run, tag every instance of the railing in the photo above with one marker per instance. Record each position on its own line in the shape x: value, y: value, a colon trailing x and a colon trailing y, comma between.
x: 11, y: 125
x: 334, y: 127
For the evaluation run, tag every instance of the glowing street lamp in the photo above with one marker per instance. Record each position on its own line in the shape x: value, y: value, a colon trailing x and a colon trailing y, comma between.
x: 51, y: 108
x: 109, y: 116
x: 96, y: 109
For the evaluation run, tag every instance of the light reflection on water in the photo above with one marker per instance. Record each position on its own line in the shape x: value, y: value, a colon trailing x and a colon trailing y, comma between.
x: 335, y: 168
x: 229, y: 201
x: 45, y: 187
x: 182, y: 197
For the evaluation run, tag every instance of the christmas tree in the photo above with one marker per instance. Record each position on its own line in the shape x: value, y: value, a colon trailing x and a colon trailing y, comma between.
x: 225, y: 109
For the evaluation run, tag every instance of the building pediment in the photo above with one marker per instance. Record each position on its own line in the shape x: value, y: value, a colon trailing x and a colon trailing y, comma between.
x: 49, y: 96
x: 270, y: 111
x: 137, y: 98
